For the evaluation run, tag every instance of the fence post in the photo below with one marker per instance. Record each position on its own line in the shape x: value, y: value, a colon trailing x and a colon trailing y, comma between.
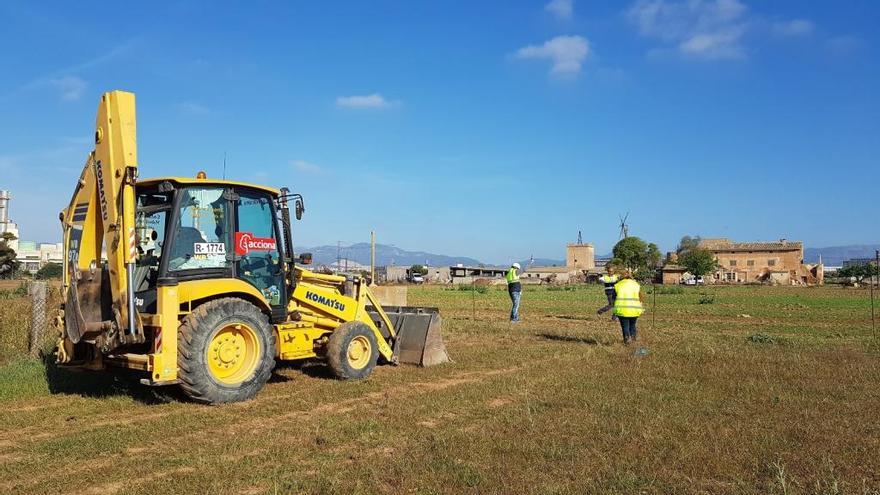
x: 37, y: 294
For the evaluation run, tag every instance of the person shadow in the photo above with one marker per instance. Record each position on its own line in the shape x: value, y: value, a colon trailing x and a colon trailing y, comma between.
x: 589, y: 340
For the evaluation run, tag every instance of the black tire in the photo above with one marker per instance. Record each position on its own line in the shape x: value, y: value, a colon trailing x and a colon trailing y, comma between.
x: 194, y: 338
x: 338, y: 350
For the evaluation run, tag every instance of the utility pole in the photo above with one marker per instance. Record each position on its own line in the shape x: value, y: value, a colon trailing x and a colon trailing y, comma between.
x: 877, y: 269
x: 338, y: 256
x: 372, y: 256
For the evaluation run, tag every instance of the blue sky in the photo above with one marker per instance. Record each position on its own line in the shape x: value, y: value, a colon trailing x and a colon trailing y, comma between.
x: 489, y: 129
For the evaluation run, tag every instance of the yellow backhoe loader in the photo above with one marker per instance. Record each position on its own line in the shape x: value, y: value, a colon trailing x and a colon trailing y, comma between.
x: 194, y: 282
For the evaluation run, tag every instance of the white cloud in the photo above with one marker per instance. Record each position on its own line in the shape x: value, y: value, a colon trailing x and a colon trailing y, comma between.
x: 562, y: 9
x: 190, y: 108
x: 709, y: 29
x: 566, y: 52
x: 70, y: 87
x: 306, y: 167
x: 843, y: 45
x: 794, y: 27
x: 374, y: 100
x: 723, y: 44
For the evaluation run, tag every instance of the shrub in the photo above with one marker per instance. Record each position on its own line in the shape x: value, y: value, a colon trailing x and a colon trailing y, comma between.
x: 760, y: 338
x: 667, y: 289
x: 482, y: 289
x: 20, y: 291
x: 49, y: 270
x: 707, y: 298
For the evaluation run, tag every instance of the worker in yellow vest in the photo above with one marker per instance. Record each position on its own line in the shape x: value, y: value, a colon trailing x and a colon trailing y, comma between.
x: 514, y: 288
x: 628, y: 306
x: 608, y: 280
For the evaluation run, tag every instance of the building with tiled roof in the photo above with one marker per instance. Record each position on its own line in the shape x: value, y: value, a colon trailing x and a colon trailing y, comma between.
x: 781, y: 261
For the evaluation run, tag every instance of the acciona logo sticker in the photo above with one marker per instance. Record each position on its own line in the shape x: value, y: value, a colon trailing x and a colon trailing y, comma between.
x: 245, y: 242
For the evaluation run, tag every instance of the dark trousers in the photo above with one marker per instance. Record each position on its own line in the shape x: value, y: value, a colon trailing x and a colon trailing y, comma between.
x: 628, y: 325
x: 611, y: 295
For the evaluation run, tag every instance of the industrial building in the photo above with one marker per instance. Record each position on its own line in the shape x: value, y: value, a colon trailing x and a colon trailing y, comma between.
x: 580, y: 259
x: 7, y: 225
x: 31, y: 255
x: 34, y: 256
x: 401, y: 274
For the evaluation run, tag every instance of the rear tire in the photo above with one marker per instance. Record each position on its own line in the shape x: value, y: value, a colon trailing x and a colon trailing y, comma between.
x: 352, y: 352
x: 225, y: 351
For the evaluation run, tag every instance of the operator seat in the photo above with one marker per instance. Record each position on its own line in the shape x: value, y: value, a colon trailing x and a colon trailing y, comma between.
x: 183, y: 247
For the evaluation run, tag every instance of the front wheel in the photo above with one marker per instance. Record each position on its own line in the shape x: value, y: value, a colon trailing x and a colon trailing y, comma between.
x: 352, y: 351
x: 226, y: 351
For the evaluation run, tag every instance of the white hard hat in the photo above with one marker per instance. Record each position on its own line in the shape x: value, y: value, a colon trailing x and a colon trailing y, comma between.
x: 516, y: 265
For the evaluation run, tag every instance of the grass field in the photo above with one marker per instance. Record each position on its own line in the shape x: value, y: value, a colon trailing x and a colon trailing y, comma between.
x: 764, y: 390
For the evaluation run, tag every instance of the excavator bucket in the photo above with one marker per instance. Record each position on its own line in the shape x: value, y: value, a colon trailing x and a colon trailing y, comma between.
x: 419, y: 339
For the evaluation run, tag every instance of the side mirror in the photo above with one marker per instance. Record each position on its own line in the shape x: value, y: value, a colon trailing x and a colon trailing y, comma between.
x: 299, y: 208
x: 304, y: 259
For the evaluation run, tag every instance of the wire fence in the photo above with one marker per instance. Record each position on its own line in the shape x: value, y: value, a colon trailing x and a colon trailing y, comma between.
x: 37, y: 292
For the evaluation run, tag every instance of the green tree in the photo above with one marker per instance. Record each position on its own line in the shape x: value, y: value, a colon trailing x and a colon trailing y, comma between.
x: 421, y: 270
x: 859, y: 272
x: 8, y: 264
x: 698, y: 261
x: 49, y: 270
x: 687, y: 243
x: 637, y: 255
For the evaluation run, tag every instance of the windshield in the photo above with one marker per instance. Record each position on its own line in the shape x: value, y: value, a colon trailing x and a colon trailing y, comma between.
x: 201, y: 239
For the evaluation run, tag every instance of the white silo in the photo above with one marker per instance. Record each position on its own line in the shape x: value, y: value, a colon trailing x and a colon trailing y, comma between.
x: 4, y: 210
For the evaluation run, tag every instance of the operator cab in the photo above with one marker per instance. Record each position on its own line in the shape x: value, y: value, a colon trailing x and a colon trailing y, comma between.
x: 200, y: 229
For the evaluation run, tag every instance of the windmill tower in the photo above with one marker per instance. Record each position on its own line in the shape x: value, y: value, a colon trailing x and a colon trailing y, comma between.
x: 624, y: 228
x: 580, y: 256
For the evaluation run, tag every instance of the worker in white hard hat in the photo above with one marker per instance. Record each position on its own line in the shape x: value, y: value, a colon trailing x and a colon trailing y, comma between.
x: 514, y: 288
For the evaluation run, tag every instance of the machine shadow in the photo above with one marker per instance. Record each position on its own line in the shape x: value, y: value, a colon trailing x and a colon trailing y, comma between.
x: 98, y: 385
x: 103, y: 384
x: 309, y: 368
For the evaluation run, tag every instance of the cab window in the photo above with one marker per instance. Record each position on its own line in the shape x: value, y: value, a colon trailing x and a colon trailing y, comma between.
x: 201, y: 238
x: 256, y: 246
x: 152, y: 211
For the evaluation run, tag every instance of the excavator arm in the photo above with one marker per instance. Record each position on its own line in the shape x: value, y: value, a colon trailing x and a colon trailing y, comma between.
x: 100, y: 237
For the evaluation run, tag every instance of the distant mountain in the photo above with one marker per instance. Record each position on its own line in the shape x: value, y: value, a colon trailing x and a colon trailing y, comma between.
x: 385, y: 255
x: 834, y: 256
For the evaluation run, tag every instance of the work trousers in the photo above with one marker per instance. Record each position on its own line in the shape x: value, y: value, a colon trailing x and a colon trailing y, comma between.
x: 610, y: 294
x: 514, y: 300
x: 628, y: 326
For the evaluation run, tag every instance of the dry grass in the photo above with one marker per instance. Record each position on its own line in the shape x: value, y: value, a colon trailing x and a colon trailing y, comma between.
x: 553, y: 405
x: 15, y: 320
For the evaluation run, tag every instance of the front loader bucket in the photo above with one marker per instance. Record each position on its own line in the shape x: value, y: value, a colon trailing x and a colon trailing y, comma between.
x: 419, y: 338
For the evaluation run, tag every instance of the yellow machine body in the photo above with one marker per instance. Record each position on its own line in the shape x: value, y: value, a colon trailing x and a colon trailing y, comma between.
x: 100, y: 324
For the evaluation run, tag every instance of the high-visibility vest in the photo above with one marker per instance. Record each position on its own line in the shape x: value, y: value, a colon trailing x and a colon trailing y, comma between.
x: 609, y: 281
x: 512, y: 276
x: 627, y: 302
